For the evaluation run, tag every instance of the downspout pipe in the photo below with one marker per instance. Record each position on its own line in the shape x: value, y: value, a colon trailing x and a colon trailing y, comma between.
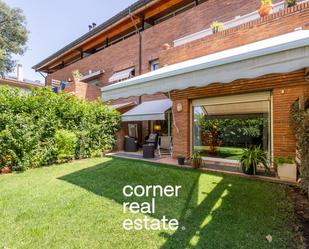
x: 139, y: 48
x: 45, y: 78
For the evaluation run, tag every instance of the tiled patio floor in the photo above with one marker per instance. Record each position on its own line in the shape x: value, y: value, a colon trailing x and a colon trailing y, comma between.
x: 165, y: 159
x: 218, y: 167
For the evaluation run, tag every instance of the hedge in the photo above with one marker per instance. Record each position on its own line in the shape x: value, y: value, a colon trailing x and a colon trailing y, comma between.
x: 41, y: 128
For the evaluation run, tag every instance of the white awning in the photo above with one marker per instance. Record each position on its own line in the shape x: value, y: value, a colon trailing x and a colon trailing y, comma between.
x: 119, y: 106
x: 92, y: 75
x: 280, y: 54
x: 152, y: 110
x: 122, y: 75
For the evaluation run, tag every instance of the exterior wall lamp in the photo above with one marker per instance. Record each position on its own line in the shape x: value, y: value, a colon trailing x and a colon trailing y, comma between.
x: 179, y: 107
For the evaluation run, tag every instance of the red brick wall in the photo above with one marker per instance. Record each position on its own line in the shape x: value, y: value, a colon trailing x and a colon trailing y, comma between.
x: 284, y: 138
x: 181, y: 129
x: 276, y: 24
x: 84, y: 90
x: 285, y: 88
x: 125, y: 53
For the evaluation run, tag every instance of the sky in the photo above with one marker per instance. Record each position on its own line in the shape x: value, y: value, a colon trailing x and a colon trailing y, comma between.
x: 55, y: 23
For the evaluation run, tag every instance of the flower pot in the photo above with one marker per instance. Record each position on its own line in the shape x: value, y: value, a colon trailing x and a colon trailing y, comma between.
x: 249, y: 171
x: 196, y: 164
x: 287, y: 172
x: 5, y: 170
x: 166, y: 46
x: 181, y: 160
x: 215, y: 30
x: 265, y: 10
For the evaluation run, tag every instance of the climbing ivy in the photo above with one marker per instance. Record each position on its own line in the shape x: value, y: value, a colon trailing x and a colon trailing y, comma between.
x: 300, y: 119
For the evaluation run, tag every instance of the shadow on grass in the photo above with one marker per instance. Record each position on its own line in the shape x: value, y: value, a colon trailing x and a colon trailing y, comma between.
x: 109, y: 178
x: 213, y: 211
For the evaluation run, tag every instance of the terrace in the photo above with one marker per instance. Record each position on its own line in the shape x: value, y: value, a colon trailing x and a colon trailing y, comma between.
x: 229, y: 167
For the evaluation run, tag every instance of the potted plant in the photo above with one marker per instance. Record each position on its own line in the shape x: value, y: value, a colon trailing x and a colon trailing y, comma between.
x: 216, y: 27
x: 286, y: 168
x: 266, y: 8
x: 251, y: 158
x: 181, y: 160
x: 5, y: 170
x: 290, y: 3
x: 196, y: 160
x: 6, y: 164
x: 77, y: 75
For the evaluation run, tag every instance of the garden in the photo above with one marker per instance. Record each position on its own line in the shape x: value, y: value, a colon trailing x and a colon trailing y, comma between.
x: 79, y: 205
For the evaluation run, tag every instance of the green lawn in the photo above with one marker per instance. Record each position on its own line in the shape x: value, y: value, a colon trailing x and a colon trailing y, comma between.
x: 233, y: 153
x: 79, y: 205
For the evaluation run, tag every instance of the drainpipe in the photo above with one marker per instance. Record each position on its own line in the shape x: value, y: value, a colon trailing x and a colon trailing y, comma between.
x: 139, y: 47
x: 45, y: 78
x: 140, y: 60
x: 173, y: 115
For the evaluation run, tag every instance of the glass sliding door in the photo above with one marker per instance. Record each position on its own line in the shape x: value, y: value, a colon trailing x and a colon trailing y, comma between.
x: 222, y: 129
x: 162, y: 127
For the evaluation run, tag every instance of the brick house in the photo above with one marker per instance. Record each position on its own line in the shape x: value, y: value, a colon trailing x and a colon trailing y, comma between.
x: 159, y: 64
x: 18, y: 82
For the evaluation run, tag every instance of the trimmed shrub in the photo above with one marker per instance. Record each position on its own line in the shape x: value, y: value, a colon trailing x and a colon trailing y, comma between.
x: 33, y: 125
x: 65, y: 144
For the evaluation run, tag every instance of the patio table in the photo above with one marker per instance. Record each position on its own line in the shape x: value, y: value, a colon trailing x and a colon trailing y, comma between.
x: 148, y: 150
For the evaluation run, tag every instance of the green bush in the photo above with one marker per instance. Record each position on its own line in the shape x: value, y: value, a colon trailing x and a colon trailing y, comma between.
x: 33, y: 124
x: 290, y: 3
x: 65, y: 144
x: 300, y: 119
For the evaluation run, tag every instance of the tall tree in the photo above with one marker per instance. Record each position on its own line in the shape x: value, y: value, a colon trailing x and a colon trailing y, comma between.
x: 13, y: 36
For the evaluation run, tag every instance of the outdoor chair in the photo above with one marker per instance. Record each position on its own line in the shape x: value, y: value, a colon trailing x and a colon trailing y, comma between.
x: 130, y: 144
x: 165, y: 146
x: 152, y: 139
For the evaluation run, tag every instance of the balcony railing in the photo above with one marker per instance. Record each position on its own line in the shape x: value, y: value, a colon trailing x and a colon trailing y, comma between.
x: 238, y: 20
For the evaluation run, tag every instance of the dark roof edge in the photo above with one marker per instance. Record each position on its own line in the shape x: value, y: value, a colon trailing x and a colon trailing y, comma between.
x: 135, y: 6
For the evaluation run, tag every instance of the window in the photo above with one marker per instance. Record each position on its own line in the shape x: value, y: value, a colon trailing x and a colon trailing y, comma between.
x: 122, y: 75
x: 133, y: 132
x: 154, y: 65
x: 224, y: 129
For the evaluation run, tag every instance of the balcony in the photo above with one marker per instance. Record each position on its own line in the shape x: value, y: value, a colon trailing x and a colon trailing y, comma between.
x: 238, y: 20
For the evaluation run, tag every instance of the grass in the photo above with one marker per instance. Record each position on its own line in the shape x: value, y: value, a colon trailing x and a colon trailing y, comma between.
x: 79, y: 205
x: 233, y: 153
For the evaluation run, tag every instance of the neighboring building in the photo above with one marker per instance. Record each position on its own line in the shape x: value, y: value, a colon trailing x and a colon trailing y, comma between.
x: 246, y: 76
x: 19, y: 82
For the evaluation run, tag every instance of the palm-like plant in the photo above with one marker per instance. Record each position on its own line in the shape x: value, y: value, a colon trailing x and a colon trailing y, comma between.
x: 217, y: 27
x: 290, y: 3
x: 252, y: 157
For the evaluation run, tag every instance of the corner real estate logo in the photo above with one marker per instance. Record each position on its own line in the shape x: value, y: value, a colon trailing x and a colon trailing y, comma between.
x: 148, y: 208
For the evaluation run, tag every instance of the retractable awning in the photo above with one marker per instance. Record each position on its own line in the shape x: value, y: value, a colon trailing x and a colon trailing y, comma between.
x: 123, y: 105
x: 281, y: 54
x: 152, y: 110
x: 122, y: 75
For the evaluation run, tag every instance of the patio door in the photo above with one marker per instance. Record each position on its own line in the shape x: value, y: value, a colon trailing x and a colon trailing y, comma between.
x: 162, y: 127
x: 223, y: 126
